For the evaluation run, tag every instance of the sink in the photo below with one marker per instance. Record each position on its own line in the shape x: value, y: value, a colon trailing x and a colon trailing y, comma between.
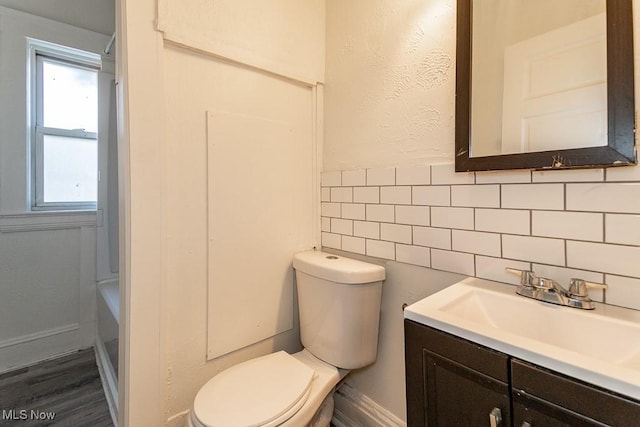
x: 601, y: 347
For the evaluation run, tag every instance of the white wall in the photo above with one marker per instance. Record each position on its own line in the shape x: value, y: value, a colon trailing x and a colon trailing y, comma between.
x: 389, y: 189
x: 93, y: 15
x: 168, y: 90
x: 390, y: 78
x: 48, y: 262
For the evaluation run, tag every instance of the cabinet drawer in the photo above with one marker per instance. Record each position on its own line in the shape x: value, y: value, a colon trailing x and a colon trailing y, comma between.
x: 531, y: 383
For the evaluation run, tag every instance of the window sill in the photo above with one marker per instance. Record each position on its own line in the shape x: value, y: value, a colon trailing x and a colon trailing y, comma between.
x: 47, y: 220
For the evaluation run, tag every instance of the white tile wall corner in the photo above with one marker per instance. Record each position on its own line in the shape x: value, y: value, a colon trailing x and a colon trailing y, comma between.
x: 561, y: 224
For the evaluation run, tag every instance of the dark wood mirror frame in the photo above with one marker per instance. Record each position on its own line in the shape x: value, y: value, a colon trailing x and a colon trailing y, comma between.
x: 620, y: 149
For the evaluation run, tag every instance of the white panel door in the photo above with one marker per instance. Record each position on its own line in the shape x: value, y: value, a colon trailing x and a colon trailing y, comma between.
x: 555, y: 94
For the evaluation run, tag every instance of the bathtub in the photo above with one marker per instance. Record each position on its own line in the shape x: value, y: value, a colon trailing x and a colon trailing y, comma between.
x: 107, y: 321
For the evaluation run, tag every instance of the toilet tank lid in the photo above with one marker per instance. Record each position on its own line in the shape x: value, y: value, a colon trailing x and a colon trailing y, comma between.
x: 337, y: 268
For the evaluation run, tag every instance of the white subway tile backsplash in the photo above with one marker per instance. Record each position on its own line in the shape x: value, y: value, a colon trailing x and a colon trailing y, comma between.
x: 382, y: 213
x: 476, y: 242
x: 341, y: 226
x: 395, y: 233
x: 416, y: 175
x: 354, y: 178
x: 503, y: 177
x: 366, y: 194
x: 622, y: 229
x: 331, y: 240
x: 533, y: 196
x: 439, y: 238
x: 461, y: 218
x: 439, y: 195
x: 331, y: 179
x: 561, y: 224
x: 370, y: 230
x: 380, y: 249
x: 623, y: 291
x: 353, y: 244
x: 395, y: 195
x: 446, y: 174
x: 568, y: 225
x: 536, y: 249
x: 626, y: 173
x: 494, y: 269
x: 569, y: 175
x: 604, y: 197
x: 614, y: 259
x: 353, y: 211
x: 414, y: 215
x: 415, y: 255
x: 381, y: 176
x: 503, y: 221
x: 325, y: 194
x: 477, y: 196
x: 456, y: 262
x: 342, y: 194
x: 330, y: 209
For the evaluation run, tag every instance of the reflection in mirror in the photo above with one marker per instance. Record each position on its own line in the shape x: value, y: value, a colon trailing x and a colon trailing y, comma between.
x: 544, y: 84
x: 538, y: 75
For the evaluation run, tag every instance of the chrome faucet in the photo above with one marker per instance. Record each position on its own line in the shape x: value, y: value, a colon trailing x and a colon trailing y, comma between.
x: 550, y: 291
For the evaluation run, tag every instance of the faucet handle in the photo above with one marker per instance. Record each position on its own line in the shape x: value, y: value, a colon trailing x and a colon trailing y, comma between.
x: 580, y: 288
x: 527, y: 277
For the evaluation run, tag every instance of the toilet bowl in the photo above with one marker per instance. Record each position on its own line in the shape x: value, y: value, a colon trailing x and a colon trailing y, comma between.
x: 339, y: 307
x: 273, y: 390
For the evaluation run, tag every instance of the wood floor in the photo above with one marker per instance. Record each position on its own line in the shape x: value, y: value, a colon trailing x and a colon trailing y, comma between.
x: 67, y: 388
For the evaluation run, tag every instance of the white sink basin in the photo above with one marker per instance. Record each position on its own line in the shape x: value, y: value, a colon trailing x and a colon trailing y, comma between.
x: 600, y: 346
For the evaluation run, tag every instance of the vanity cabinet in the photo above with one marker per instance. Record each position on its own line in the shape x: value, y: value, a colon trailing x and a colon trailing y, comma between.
x: 454, y: 382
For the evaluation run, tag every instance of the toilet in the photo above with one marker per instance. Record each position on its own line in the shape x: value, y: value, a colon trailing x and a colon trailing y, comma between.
x: 339, y: 308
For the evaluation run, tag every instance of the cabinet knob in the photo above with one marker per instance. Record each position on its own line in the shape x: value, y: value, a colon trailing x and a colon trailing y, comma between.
x: 495, y: 417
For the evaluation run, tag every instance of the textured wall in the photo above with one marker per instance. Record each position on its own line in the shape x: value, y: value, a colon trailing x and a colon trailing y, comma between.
x: 390, y: 73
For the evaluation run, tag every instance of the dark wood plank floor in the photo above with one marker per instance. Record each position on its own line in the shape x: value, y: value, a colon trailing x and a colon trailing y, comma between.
x: 68, y: 388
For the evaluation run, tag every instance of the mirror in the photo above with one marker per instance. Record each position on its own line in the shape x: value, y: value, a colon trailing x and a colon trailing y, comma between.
x: 543, y: 84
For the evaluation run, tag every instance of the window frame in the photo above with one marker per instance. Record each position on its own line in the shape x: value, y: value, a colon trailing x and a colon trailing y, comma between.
x: 38, y: 52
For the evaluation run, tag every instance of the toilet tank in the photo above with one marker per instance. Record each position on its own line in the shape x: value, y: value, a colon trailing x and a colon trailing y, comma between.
x: 339, y: 307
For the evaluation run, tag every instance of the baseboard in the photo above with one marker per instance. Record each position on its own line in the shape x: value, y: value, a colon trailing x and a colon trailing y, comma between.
x: 352, y: 408
x: 26, y: 350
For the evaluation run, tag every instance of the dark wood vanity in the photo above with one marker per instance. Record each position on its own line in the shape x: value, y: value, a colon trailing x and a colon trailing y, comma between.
x: 454, y: 382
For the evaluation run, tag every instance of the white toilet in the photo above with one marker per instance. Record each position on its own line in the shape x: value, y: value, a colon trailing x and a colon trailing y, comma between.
x: 339, y: 306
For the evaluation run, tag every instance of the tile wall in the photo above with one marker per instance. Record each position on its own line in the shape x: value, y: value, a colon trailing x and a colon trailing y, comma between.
x: 561, y: 224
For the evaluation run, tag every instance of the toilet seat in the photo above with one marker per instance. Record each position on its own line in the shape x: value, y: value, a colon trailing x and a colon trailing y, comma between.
x: 264, y: 392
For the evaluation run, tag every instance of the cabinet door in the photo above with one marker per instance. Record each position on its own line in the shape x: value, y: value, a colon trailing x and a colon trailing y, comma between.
x: 459, y: 396
x: 453, y: 382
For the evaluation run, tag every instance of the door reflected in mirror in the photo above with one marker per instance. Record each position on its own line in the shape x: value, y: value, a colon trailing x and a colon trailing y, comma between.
x: 539, y: 76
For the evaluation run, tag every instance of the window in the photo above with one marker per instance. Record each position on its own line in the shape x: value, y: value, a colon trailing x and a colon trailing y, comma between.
x: 64, y: 122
